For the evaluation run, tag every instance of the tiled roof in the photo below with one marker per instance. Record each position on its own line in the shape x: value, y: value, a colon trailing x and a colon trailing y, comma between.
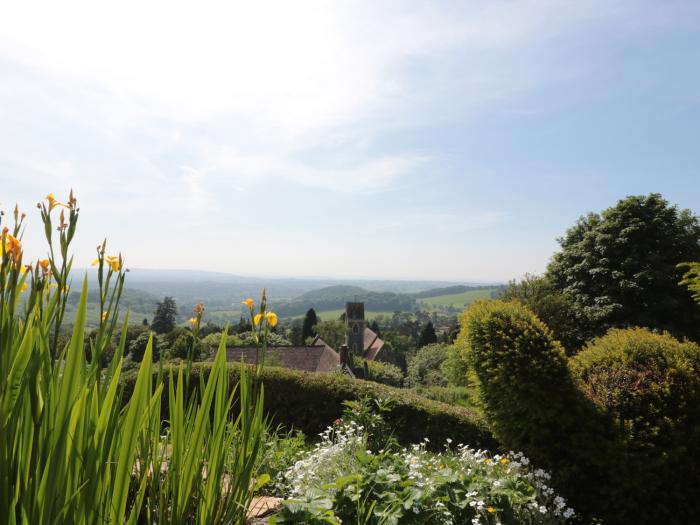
x: 372, y: 343
x: 317, y: 358
x: 370, y: 340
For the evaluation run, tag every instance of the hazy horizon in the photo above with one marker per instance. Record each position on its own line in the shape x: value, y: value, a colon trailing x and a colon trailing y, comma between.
x: 361, y: 140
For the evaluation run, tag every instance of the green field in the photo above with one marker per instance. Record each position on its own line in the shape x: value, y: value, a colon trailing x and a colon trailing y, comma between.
x: 459, y: 300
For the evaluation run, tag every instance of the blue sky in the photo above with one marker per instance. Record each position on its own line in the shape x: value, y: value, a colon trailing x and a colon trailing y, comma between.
x: 441, y: 140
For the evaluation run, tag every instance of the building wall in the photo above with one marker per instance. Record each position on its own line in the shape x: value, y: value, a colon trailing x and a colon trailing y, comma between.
x: 354, y: 327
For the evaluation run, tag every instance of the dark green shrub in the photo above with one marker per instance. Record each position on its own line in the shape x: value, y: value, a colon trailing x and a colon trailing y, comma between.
x: 307, y: 401
x: 532, y: 404
x: 137, y: 347
x: 650, y: 385
x: 185, y: 345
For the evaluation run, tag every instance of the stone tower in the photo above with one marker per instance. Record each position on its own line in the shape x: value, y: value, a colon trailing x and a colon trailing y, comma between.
x: 355, y: 327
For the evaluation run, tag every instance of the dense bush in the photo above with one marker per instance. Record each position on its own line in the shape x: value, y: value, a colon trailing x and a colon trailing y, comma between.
x: 650, y: 384
x: 137, y: 347
x: 532, y: 403
x: 307, y: 401
x: 185, y: 347
x: 425, y: 366
x: 380, y: 372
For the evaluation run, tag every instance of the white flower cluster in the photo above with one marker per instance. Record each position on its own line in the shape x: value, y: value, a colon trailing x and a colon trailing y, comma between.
x: 493, y: 476
x: 329, y: 459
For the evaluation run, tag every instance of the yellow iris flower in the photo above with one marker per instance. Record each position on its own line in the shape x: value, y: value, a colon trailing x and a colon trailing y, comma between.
x: 114, y: 263
x: 248, y: 302
x: 270, y: 317
x: 53, y: 202
x: 192, y: 321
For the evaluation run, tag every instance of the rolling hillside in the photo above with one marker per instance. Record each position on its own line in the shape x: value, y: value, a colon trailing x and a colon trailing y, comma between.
x: 455, y: 302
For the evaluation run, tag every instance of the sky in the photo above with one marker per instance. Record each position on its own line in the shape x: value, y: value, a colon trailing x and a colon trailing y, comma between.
x: 393, y: 140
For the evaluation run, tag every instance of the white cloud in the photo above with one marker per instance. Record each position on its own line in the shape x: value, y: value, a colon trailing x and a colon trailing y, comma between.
x: 275, y: 79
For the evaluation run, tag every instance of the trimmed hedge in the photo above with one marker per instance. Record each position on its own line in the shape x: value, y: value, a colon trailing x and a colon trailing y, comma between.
x: 650, y: 385
x: 310, y: 401
x: 532, y: 403
x: 618, y: 425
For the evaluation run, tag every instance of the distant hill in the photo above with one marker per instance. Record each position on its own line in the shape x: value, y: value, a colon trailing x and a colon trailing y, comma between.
x: 222, y: 293
x: 335, y: 297
x: 339, y: 291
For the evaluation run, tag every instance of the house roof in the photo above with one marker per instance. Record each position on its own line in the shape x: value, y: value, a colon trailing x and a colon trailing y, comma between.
x: 317, y: 358
x: 372, y: 343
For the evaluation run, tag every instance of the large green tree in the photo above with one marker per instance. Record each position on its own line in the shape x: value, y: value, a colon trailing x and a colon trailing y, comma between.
x: 165, y: 316
x: 619, y: 267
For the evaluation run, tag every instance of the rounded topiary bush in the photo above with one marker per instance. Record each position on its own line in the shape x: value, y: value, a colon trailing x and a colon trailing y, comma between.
x: 532, y: 404
x: 650, y: 386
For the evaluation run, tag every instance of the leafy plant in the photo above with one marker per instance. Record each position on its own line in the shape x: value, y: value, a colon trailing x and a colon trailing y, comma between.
x: 691, y: 279
x: 343, y: 481
x: 73, y: 451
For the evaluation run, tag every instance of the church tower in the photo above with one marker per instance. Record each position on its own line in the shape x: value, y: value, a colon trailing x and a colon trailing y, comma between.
x: 355, y: 327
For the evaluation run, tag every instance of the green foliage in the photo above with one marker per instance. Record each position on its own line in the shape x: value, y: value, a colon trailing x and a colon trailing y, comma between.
x: 307, y: 401
x: 73, y: 448
x: 425, y: 366
x: 281, y: 450
x: 620, y: 267
x: 464, y: 396
x: 309, y: 327
x: 380, y: 372
x: 165, y: 316
x: 332, y: 332
x: 650, y: 386
x: 691, y: 278
x: 137, y: 347
x: 427, y: 335
x: 370, y: 413
x: 552, y: 306
x: 248, y: 339
x: 532, y: 403
x: 211, y: 341
x: 187, y: 347
x: 455, y: 368
x: 345, y: 479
